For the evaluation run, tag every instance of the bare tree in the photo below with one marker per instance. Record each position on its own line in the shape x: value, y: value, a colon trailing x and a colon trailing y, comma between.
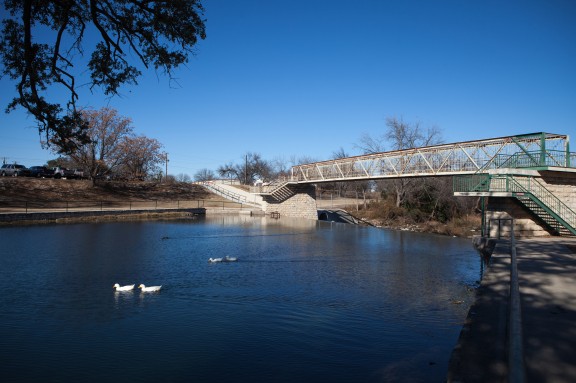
x: 183, y: 178
x: 370, y: 145
x: 400, y: 135
x: 280, y: 167
x: 337, y: 188
x: 252, y: 168
x: 302, y: 160
x: 228, y: 171
x: 204, y: 175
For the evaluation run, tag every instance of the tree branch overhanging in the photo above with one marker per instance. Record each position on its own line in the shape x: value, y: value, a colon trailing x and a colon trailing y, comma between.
x: 162, y: 33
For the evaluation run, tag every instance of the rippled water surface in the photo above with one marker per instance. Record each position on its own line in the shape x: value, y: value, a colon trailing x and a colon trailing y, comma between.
x: 306, y: 302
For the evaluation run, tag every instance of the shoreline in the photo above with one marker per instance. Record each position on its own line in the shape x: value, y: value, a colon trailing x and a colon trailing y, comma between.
x: 40, y: 218
x: 95, y: 216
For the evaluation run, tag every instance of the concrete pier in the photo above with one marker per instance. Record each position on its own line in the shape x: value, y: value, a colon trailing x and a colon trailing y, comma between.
x: 547, y: 279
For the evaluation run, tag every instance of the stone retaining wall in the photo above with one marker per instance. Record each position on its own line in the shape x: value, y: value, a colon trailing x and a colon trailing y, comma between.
x: 76, y: 216
x: 499, y: 213
x: 562, y: 185
x: 301, y: 205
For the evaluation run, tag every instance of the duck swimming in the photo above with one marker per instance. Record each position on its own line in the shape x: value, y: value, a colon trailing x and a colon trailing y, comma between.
x: 224, y: 259
x: 149, y: 289
x: 123, y: 288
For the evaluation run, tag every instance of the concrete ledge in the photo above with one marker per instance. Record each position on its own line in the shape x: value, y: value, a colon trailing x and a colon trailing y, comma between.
x: 484, y: 245
x: 72, y: 216
x: 480, y: 353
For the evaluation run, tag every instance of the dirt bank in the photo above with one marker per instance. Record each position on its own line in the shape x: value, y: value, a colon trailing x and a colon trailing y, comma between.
x: 39, y: 190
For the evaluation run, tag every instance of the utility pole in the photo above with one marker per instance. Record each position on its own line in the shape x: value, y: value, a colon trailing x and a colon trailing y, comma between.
x: 166, y: 177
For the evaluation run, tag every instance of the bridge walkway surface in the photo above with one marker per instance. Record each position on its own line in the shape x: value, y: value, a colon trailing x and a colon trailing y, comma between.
x: 547, y: 280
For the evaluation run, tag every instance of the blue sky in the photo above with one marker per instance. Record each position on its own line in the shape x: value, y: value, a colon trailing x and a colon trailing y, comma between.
x: 303, y: 78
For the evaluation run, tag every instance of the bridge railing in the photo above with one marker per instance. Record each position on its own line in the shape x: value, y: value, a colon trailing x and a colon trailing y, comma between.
x: 533, y: 159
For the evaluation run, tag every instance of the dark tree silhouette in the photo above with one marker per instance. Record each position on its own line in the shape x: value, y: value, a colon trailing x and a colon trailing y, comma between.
x: 41, y: 39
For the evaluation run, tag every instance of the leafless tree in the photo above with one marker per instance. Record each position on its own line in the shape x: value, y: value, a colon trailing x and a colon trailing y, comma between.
x: 251, y: 168
x: 400, y: 135
x: 183, y: 178
x: 204, y: 175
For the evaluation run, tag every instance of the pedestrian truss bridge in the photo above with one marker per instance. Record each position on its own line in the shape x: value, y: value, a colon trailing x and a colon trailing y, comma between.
x: 540, y: 150
x: 498, y: 167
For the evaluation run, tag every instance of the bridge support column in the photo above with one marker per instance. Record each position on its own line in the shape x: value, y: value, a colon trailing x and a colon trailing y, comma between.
x: 501, y: 212
x: 301, y: 204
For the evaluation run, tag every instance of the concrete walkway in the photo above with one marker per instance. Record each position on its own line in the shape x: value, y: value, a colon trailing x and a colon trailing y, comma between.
x: 547, y: 279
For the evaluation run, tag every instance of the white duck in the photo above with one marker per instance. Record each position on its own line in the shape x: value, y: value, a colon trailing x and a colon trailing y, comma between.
x: 123, y: 288
x: 149, y: 289
x: 225, y: 259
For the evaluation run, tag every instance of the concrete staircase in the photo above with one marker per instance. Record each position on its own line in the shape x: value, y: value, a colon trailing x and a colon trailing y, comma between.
x: 233, y: 193
x: 277, y: 191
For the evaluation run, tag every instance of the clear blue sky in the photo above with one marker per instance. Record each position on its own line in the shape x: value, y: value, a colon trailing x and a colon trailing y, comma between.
x: 305, y: 77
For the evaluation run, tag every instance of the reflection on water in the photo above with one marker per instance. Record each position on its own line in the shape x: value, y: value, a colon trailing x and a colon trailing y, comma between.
x: 306, y: 302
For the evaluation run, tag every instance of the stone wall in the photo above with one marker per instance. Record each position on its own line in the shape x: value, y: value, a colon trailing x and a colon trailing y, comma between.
x: 93, y: 216
x: 562, y: 185
x: 499, y: 213
x: 300, y: 205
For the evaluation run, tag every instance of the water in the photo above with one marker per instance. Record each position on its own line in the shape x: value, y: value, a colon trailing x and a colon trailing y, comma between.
x: 306, y: 302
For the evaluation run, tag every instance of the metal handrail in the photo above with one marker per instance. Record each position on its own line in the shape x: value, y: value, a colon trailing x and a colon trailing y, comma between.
x: 531, y: 185
x: 516, y: 367
x: 471, y: 183
x: 532, y: 159
x: 225, y: 192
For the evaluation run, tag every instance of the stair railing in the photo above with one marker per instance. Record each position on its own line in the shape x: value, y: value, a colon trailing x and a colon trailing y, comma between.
x: 538, y: 193
x: 548, y: 199
x: 225, y: 193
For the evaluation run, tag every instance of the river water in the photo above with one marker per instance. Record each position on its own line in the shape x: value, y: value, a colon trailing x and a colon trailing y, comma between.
x: 305, y: 302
